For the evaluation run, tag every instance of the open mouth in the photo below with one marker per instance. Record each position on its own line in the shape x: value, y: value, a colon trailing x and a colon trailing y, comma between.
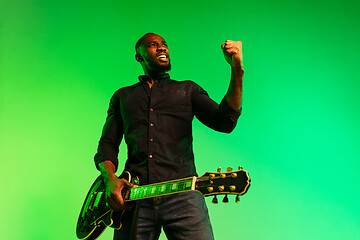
x: 163, y: 57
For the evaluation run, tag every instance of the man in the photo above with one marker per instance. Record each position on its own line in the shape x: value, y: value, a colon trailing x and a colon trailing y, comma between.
x: 155, y: 118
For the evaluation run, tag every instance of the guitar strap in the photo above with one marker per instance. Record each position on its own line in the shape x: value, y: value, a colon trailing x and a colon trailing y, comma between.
x: 135, y: 221
x: 129, y: 222
x: 129, y: 218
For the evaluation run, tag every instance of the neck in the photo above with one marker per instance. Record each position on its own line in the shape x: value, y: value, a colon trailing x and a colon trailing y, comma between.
x: 153, y: 76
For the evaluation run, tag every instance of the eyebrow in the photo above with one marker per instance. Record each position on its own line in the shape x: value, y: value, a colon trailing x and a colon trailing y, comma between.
x: 163, y: 41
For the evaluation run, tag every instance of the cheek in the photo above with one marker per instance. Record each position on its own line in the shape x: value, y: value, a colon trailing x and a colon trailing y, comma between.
x: 151, y: 56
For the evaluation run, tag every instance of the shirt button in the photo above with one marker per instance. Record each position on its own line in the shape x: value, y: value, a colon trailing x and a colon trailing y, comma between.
x: 151, y: 139
x: 150, y: 156
x: 151, y: 109
x: 151, y: 124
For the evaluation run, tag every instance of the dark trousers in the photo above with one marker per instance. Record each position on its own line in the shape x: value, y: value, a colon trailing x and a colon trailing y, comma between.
x: 182, y: 216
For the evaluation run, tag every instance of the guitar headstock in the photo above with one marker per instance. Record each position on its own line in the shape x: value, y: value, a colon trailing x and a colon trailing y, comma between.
x: 229, y: 182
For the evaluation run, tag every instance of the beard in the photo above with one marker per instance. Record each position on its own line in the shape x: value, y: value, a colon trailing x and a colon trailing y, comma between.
x: 156, y: 67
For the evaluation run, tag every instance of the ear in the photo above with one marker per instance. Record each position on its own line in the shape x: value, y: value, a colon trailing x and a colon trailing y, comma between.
x: 138, y: 57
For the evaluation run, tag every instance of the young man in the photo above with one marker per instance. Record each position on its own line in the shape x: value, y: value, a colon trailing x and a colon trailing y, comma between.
x: 155, y: 118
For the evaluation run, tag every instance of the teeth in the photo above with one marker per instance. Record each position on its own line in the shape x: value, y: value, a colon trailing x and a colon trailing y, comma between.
x: 162, y: 56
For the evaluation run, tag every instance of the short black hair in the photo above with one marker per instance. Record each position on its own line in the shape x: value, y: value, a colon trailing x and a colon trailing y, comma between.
x: 140, y: 41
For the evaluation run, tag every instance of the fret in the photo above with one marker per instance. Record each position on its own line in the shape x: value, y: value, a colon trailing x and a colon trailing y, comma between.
x: 132, y: 194
x: 174, y: 186
x: 141, y: 195
x: 184, y: 187
x: 152, y: 190
x: 168, y: 187
x: 163, y: 188
x: 147, y: 191
x: 157, y: 192
x: 144, y: 192
x: 136, y: 193
x: 181, y: 185
x: 141, y: 192
x: 188, y: 184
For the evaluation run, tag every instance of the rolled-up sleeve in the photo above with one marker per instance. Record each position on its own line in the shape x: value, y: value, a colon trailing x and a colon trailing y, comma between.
x: 221, y: 117
x: 112, y: 134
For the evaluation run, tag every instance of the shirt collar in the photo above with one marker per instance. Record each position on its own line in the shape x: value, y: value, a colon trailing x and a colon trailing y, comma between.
x: 162, y: 78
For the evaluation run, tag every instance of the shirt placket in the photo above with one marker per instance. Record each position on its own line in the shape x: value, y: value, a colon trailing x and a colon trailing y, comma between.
x: 152, y: 134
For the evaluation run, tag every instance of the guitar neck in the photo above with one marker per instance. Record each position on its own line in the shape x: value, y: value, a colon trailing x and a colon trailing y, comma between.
x: 162, y: 188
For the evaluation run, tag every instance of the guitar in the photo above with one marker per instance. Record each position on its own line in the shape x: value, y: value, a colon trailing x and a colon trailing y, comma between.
x: 96, y: 215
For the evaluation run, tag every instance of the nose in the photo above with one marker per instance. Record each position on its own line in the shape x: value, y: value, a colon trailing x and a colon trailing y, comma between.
x: 161, y: 48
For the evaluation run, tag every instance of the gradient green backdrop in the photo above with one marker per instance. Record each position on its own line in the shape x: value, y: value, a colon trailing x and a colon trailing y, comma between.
x: 299, y: 135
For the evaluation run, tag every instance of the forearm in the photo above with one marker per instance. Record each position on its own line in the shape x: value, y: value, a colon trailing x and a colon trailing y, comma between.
x: 107, y: 169
x: 234, y: 93
x: 220, y: 117
x: 113, y: 185
x: 111, y: 135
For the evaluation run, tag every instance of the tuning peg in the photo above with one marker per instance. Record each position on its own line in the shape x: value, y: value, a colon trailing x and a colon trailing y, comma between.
x: 229, y: 169
x: 215, y: 201
x: 240, y: 168
x: 219, y: 169
x: 237, y: 199
x: 225, y: 200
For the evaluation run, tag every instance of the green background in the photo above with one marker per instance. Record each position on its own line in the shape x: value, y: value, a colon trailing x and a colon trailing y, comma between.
x: 299, y: 135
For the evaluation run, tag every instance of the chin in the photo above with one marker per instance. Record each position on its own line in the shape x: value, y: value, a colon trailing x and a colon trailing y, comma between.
x: 162, y: 67
x: 167, y: 68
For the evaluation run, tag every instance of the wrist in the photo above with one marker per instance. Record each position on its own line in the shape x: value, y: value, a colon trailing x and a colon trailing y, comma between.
x: 107, y: 169
x: 237, y: 68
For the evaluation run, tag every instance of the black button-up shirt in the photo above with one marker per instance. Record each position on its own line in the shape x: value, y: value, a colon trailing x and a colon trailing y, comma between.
x: 157, y: 126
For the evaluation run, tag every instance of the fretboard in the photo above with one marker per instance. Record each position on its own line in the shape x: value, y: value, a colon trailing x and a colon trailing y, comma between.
x: 162, y: 188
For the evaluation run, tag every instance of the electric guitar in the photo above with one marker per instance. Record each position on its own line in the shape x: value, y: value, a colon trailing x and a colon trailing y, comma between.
x: 96, y: 215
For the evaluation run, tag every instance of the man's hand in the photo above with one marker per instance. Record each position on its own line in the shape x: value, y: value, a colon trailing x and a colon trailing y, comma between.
x: 114, y: 185
x: 233, y: 53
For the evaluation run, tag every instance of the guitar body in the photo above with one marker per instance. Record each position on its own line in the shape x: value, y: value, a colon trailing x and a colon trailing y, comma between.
x: 95, y: 215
